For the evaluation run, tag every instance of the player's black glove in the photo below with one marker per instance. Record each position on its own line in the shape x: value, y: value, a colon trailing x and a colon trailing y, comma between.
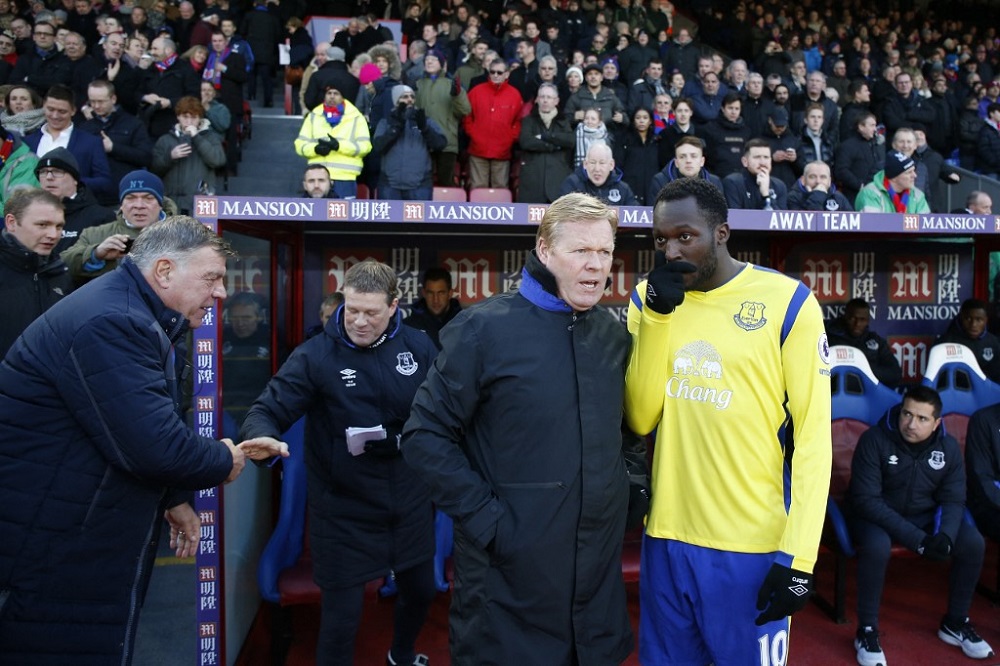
x: 665, y: 283
x: 324, y: 147
x: 420, y: 118
x: 936, y: 547
x: 385, y: 448
x: 784, y: 592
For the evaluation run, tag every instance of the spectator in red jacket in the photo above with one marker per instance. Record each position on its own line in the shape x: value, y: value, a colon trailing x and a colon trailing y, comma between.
x: 493, y: 126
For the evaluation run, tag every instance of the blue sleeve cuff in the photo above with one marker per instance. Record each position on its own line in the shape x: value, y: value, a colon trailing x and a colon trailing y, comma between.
x: 94, y: 264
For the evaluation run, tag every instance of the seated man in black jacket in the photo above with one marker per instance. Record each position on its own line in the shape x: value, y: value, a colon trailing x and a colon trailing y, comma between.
x: 436, y: 306
x: 908, y: 487
x: 815, y: 190
x: 852, y: 330
x: 752, y: 187
x: 969, y: 329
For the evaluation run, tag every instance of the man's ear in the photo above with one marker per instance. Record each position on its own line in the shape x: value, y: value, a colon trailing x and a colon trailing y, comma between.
x: 162, y: 272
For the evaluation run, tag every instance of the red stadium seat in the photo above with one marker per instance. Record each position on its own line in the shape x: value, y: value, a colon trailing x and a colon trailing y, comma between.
x: 490, y: 195
x: 449, y: 194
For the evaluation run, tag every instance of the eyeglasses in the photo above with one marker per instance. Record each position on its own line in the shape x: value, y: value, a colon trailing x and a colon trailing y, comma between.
x: 497, y: 72
x: 51, y: 173
x: 44, y: 34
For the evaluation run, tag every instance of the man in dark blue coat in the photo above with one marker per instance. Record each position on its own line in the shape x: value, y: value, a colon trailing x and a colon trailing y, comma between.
x: 369, y: 513
x: 908, y: 487
x: 94, y: 453
x: 92, y: 163
x: 517, y: 431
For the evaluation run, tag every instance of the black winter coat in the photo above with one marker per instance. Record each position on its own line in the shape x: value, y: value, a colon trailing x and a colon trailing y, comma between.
x: 262, y: 30
x: 517, y: 430
x: 875, y: 348
x: 988, y: 150
x: 914, y: 112
x: 856, y: 164
x: 640, y: 162
x: 178, y: 80
x: 547, y: 161
x: 892, y: 480
x: 91, y: 441
x: 424, y: 320
x: 724, y: 144
x: 742, y: 192
x: 367, y: 514
x: 82, y: 212
x: 29, y: 285
x: 614, y: 191
x: 986, y: 347
x: 42, y: 72
x: 333, y: 73
x: 969, y: 126
x: 670, y: 173
x: 982, y: 464
x: 132, y: 148
x: 801, y: 199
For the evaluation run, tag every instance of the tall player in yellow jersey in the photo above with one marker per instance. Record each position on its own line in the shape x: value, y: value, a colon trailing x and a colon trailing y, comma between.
x: 736, y: 383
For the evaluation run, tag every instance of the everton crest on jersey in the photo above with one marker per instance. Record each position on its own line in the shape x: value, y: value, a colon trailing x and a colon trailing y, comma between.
x: 751, y: 316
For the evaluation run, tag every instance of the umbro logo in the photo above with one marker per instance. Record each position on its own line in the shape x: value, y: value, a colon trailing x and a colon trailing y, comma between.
x: 349, y: 376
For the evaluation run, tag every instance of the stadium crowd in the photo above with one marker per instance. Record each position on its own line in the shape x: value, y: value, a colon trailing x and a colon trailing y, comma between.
x: 514, y: 95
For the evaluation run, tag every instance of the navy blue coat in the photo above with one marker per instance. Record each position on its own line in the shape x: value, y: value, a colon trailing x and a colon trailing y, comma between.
x: 90, y: 442
x: 90, y: 157
x: 892, y: 480
x: 367, y: 514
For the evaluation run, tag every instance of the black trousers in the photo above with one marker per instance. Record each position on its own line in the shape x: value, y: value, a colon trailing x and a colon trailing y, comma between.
x: 341, y: 616
x: 873, y: 544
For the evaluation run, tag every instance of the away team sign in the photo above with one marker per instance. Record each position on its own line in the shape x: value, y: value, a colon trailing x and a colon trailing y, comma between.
x: 441, y: 212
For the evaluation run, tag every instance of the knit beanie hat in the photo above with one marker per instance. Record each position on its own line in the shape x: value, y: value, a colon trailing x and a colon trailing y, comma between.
x: 141, y: 181
x: 398, y: 92
x: 896, y: 163
x: 59, y: 158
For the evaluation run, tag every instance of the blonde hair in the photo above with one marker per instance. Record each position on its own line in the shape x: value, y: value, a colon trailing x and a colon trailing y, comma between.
x: 574, y: 207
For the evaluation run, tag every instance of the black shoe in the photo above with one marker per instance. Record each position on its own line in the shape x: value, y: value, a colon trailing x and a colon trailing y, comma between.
x: 869, y: 651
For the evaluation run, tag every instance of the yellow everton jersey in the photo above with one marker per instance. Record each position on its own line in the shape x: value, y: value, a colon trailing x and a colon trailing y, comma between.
x: 736, y: 381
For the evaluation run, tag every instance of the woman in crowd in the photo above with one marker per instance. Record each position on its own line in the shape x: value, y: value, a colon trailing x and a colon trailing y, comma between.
x: 196, y: 56
x: 187, y: 156
x: 23, y: 112
x: 639, y: 159
x: 216, y: 113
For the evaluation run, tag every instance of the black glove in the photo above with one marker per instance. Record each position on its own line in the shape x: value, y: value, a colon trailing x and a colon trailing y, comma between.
x: 420, y: 118
x: 456, y: 87
x: 334, y: 144
x: 399, y: 111
x: 936, y: 547
x: 638, y: 502
x: 784, y: 592
x: 665, y: 283
x: 385, y: 448
x: 324, y: 147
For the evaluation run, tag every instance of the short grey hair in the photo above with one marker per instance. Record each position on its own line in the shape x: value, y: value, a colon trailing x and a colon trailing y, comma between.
x: 177, y: 238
